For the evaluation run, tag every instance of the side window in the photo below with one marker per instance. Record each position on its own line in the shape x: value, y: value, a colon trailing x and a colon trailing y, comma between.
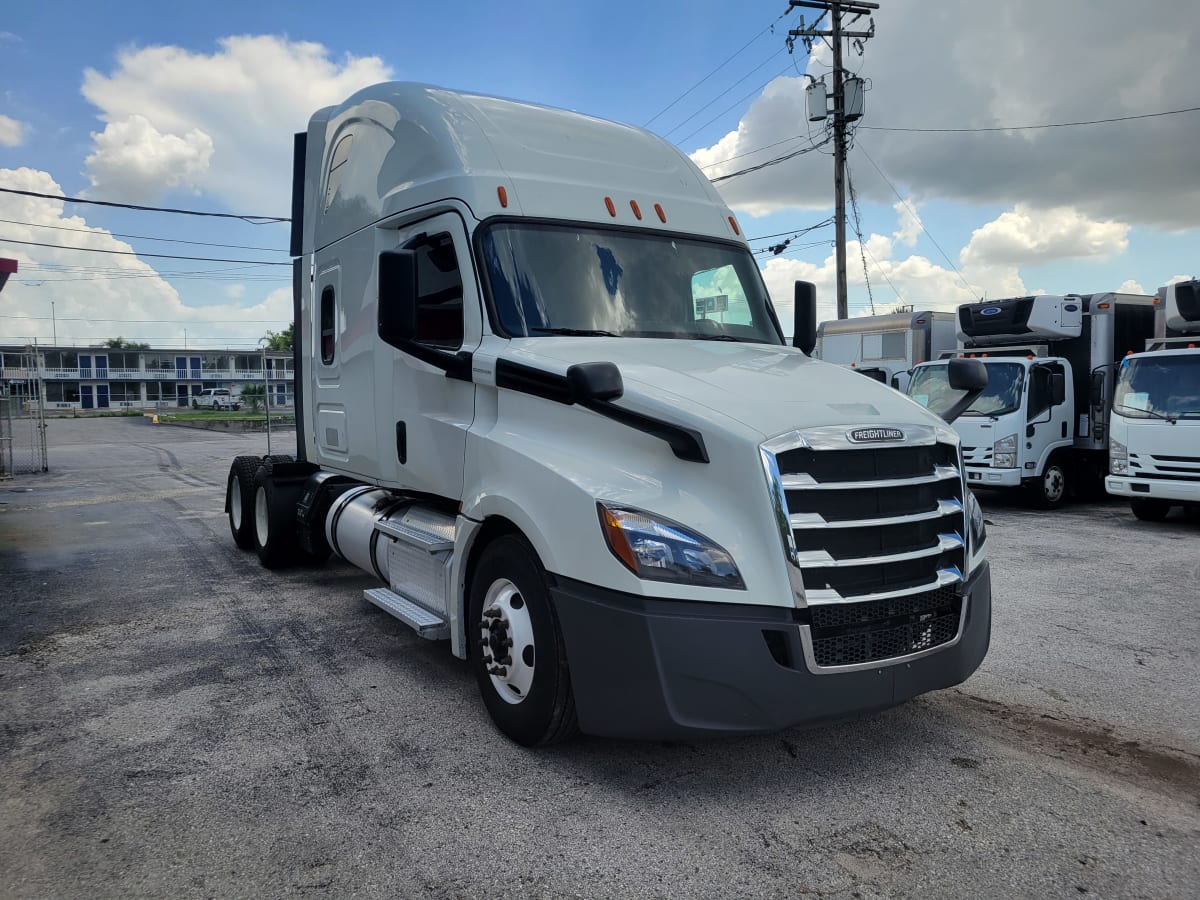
x: 439, y: 293
x: 1039, y: 391
x: 327, y: 330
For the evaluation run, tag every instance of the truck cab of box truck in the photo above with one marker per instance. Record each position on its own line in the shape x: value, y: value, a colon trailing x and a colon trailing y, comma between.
x: 1154, y: 456
x: 545, y: 400
x: 1042, y: 423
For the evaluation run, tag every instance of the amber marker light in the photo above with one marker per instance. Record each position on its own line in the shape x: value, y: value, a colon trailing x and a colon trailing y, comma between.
x: 612, y: 207
x: 662, y: 215
x: 637, y: 211
x: 734, y: 225
x: 617, y: 541
x: 503, y: 195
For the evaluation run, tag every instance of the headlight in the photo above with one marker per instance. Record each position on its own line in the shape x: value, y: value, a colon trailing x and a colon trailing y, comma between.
x: 1004, y: 453
x: 978, y: 532
x: 658, y: 549
x: 1118, y: 457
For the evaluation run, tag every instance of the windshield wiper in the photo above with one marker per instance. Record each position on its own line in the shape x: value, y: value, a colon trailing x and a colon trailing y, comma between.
x: 1148, y: 413
x: 719, y: 337
x: 576, y: 332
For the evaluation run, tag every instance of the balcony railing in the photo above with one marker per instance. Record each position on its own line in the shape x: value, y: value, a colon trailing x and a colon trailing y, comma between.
x: 94, y: 374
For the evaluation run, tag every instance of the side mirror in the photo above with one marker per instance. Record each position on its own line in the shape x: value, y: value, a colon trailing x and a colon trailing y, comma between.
x: 594, y: 381
x: 397, y: 307
x: 804, y: 332
x: 1058, y: 388
x: 968, y: 375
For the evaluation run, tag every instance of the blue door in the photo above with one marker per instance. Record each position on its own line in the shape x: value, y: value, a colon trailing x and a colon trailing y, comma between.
x: 195, y: 368
x: 102, y: 396
x: 181, y: 395
x: 85, y: 395
x: 85, y: 366
x: 181, y: 369
x: 102, y: 367
x: 280, y: 394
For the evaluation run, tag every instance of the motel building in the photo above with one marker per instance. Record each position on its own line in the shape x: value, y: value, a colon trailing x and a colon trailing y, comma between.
x: 62, y: 378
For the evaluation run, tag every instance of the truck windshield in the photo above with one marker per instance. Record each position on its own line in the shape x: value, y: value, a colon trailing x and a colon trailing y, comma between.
x: 931, y: 388
x: 1162, y: 387
x: 582, y: 280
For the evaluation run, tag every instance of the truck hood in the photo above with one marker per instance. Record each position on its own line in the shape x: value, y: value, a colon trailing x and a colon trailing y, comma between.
x: 770, y: 389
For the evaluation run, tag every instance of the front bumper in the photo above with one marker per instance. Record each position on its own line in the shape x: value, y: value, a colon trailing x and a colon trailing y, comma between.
x: 985, y: 476
x: 644, y: 668
x: 1153, y: 489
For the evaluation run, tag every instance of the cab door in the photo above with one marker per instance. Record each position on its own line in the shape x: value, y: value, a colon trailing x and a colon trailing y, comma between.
x: 423, y: 444
x: 1049, y: 416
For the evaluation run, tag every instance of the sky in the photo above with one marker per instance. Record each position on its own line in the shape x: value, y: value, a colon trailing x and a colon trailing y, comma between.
x: 194, y: 107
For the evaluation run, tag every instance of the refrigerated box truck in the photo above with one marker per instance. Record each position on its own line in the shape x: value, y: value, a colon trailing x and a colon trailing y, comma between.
x: 887, y: 347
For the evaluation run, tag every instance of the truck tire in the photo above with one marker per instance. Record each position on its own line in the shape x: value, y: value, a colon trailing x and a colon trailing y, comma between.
x: 239, y: 500
x: 1050, y: 490
x: 1150, y: 510
x: 516, y: 647
x: 274, y: 519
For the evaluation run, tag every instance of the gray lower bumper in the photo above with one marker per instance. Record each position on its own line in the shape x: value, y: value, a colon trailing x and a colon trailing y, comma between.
x: 644, y: 668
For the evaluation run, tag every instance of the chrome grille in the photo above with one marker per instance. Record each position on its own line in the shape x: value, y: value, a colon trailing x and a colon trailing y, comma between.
x: 876, y: 538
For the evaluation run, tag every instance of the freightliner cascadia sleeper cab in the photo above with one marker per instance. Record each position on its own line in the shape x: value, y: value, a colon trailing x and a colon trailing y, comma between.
x: 546, y: 401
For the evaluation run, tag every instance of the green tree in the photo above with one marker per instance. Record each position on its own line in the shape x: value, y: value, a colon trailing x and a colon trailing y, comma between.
x: 281, y: 340
x: 254, y: 396
x: 119, y: 343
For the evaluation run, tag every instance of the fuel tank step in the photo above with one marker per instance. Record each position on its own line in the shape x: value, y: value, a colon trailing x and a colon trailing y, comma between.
x: 425, y: 623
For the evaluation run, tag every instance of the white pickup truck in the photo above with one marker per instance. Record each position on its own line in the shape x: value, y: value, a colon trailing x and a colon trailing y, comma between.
x: 216, y: 398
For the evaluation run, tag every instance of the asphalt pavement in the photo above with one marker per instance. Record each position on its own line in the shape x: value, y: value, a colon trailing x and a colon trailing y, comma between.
x: 176, y: 721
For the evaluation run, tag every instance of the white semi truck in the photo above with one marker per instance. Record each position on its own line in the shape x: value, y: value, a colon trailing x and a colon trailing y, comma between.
x: 1154, y: 437
x: 544, y: 399
x: 887, y: 347
x: 1042, y: 423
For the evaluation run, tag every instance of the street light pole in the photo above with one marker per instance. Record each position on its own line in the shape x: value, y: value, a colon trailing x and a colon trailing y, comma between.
x: 53, y: 323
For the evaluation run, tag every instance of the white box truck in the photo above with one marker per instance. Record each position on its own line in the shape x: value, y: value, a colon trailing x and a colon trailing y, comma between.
x: 1042, y: 423
x: 1154, y: 437
x: 634, y: 512
x: 887, y: 347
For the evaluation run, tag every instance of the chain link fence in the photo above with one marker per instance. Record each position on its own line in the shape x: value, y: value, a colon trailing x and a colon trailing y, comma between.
x: 22, y: 436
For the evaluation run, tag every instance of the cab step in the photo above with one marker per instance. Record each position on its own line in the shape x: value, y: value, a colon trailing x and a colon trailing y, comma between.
x: 425, y: 623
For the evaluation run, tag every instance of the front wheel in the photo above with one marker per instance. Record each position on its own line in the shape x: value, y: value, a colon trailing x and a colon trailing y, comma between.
x: 1150, y: 510
x: 517, y: 649
x: 1050, y: 490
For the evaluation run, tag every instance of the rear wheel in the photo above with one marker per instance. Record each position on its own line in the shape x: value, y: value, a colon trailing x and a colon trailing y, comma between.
x: 517, y: 650
x: 239, y: 500
x: 274, y: 519
x: 1150, y: 510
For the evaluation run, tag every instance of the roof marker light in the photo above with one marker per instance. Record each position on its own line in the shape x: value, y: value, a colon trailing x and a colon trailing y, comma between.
x: 662, y: 216
x: 637, y: 210
x: 612, y: 207
x: 503, y: 195
x: 1103, y: 305
x: 734, y: 225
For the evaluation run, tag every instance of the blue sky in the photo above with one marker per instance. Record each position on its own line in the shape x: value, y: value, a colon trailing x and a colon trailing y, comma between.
x: 175, y: 114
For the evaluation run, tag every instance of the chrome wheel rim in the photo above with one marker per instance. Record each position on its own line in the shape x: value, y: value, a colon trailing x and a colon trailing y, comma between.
x: 506, y: 641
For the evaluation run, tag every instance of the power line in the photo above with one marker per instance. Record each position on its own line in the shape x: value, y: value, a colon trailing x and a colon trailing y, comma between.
x: 253, y: 220
x: 722, y: 94
x: 858, y: 233
x: 770, y: 162
x: 254, y: 262
x: 731, y: 58
x: 1154, y: 115
x: 822, y: 224
x: 146, y: 321
x: 735, y: 104
x: 143, y: 237
x: 972, y: 291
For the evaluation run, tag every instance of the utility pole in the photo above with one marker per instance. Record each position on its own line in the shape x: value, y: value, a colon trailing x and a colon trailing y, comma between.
x: 836, y: 9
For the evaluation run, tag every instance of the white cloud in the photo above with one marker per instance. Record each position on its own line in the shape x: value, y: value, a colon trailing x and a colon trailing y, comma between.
x: 101, y: 295
x: 970, y: 65
x: 12, y: 132
x: 136, y: 162
x: 1131, y: 287
x: 1027, y: 236
x: 243, y: 101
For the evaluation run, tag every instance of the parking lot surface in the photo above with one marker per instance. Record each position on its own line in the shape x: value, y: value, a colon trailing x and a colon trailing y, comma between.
x: 177, y: 721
